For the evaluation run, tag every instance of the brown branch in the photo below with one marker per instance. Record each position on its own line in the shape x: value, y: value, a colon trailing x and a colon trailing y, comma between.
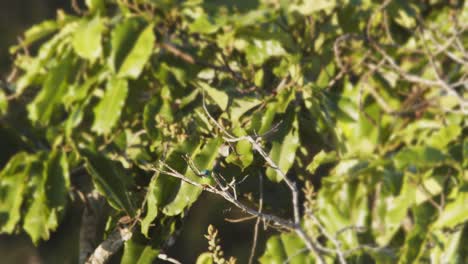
x: 110, y: 246
x: 178, y: 53
x: 90, y: 222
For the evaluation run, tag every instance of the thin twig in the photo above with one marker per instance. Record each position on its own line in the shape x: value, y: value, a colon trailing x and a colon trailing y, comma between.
x: 239, y: 220
x: 277, y: 221
x: 257, y: 223
x: 332, y: 239
x: 295, y: 226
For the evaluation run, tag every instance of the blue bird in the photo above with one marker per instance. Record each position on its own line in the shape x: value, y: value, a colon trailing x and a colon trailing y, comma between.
x: 205, y: 173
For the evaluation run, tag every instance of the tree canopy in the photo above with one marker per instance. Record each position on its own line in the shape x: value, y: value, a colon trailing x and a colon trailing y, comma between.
x: 338, y: 124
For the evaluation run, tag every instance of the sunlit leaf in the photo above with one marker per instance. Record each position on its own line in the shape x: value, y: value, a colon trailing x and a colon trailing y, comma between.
x: 132, y: 45
x: 49, y: 198
x: 13, y: 180
x: 261, y: 50
x: 205, y: 258
x: 37, y: 32
x: 286, y: 248
x: 455, y: 212
x: 319, y: 159
x: 108, y: 111
x: 87, y: 39
x: 219, y: 97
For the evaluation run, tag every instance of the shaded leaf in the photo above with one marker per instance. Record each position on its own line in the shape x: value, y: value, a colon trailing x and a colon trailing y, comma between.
x: 137, y: 251
x: 109, y: 179
x: 422, y: 156
x: 283, y: 153
x: 51, y: 95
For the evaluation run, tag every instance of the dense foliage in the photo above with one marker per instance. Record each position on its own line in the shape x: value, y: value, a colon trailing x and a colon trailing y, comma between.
x: 356, y: 110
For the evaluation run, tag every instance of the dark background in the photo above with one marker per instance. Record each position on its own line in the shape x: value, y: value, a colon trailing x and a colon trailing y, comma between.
x: 15, y: 17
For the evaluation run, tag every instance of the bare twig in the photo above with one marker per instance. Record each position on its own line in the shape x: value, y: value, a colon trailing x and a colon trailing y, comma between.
x: 277, y: 221
x: 332, y: 239
x: 295, y: 226
x: 257, y: 223
x: 239, y: 220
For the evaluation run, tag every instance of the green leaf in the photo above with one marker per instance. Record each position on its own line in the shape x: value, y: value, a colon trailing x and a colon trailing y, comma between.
x: 3, y: 103
x: 138, y: 252
x: 13, y: 180
x: 149, y: 117
x: 139, y: 55
x: 34, y: 67
x: 244, y: 149
x: 421, y: 156
x: 187, y: 193
x: 241, y: 106
x: 35, y: 33
x: 321, y: 158
x: 50, y: 97
x: 267, y: 118
x: 36, y: 219
x: 448, y: 245
x: 109, y: 179
x: 96, y: 5
x: 50, y: 186
x: 390, y: 211
x: 261, y: 50
x: 87, y: 39
x: 108, y: 111
x: 309, y: 7
x: 203, y: 25
x: 57, y: 184
x: 455, y: 212
x: 132, y: 46
x: 153, y: 199
x: 444, y: 136
x: 283, y: 153
x: 219, y: 97
x: 287, y: 247
x: 123, y: 38
x: 205, y: 258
